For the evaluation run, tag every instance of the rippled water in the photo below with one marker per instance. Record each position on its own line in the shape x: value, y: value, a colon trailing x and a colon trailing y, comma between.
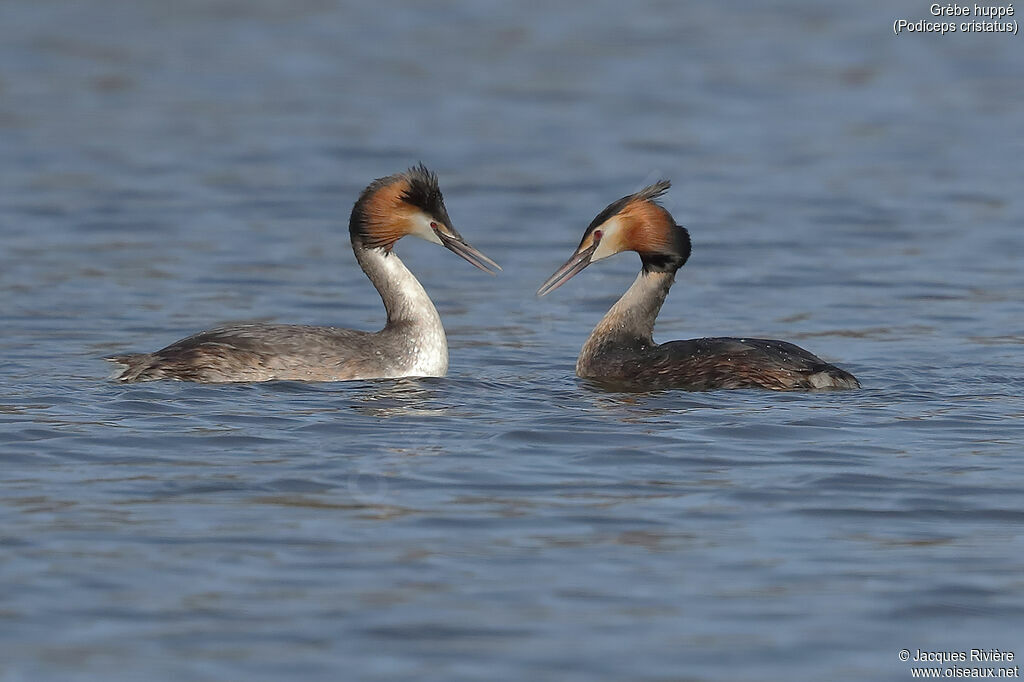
x: 170, y: 166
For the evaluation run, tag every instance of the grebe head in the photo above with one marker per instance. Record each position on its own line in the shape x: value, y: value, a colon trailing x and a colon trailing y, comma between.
x: 409, y: 203
x: 633, y: 223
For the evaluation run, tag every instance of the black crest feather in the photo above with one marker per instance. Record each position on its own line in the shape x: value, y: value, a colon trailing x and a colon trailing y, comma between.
x: 423, y: 192
x: 652, y: 192
x: 649, y: 193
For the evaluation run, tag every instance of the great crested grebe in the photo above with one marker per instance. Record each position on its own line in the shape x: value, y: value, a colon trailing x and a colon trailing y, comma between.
x: 621, y: 349
x: 412, y: 342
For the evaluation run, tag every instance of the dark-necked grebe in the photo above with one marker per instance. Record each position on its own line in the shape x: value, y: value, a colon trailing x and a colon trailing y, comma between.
x: 412, y: 342
x: 621, y: 349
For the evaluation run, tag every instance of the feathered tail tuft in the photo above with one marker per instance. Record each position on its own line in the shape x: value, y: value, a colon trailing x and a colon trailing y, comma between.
x: 130, y: 366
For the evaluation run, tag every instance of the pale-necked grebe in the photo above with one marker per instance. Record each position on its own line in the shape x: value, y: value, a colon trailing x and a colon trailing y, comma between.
x: 412, y: 342
x: 621, y: 349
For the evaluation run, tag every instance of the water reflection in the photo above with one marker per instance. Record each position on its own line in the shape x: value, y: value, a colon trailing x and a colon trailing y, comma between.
x: 406, y: 397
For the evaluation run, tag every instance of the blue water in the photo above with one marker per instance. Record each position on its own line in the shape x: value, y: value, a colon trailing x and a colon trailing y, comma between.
x: 165, y: 167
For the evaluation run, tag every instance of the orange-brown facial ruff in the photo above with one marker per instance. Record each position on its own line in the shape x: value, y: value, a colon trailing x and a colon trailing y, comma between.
x: 633, y: 223
x: 646, y: 228
x: 386, y: 216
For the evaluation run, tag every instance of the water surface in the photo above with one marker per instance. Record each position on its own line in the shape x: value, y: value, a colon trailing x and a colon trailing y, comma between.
x: 169, y: 167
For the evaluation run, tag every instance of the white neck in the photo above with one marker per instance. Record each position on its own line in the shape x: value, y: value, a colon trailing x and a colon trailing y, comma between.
x: 413, y: 322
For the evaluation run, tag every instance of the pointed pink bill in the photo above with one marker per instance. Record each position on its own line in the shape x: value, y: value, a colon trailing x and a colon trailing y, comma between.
x: 572, y: 267
x: 455, y: 243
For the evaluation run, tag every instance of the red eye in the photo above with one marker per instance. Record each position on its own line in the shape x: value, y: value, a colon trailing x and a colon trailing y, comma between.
x: 597, y: 235
x: 433, y: 225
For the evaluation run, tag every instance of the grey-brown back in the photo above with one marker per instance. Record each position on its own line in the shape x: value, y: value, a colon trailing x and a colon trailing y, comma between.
x: 261, y: 352
x: 712, y: 363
